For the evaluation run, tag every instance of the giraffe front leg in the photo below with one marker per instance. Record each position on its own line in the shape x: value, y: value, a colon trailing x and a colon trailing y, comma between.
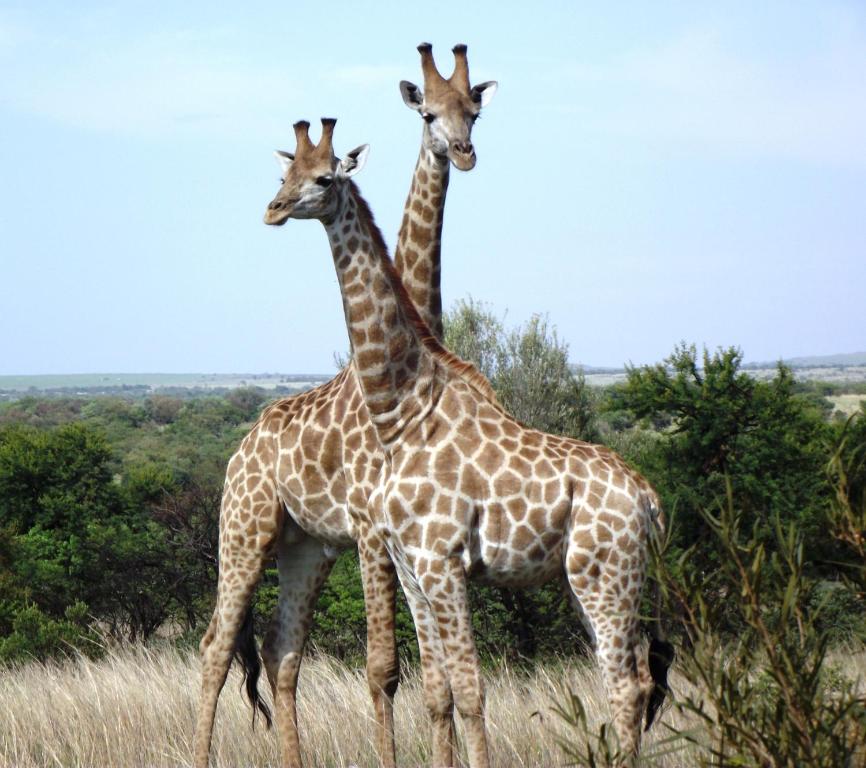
x: 383, y: 665
x: 444, y: 586
x: 303, y: 566
x: 437, y: 688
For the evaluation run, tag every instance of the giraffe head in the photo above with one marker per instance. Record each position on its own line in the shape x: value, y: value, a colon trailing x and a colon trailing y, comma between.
x: 313, y: 177
x: 449, y: 107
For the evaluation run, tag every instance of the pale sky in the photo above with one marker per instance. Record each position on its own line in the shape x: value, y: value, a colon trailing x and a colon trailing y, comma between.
x: 649, y: 174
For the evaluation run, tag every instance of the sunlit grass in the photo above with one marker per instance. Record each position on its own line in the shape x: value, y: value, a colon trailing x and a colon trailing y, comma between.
x: 136, y: 707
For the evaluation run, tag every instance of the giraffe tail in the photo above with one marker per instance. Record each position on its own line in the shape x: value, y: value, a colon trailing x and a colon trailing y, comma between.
x: 247, y: 653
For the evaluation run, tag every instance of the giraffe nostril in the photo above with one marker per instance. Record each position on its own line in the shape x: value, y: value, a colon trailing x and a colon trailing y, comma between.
x: 275, y: 205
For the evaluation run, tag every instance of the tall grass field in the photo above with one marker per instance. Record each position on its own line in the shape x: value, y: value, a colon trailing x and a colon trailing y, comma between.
x: 136, y: 707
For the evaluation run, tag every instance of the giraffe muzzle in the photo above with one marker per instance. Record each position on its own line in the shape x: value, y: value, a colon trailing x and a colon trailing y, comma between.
x: 278, y: 212
x: 462, y: 155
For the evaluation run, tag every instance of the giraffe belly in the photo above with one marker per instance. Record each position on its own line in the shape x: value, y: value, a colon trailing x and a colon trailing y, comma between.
x: 329, y: 523
x: 505, y: 554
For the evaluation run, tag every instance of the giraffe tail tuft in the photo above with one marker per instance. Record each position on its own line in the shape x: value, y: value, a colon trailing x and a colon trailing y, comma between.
x: 247, y: 653
x: 661, y: 656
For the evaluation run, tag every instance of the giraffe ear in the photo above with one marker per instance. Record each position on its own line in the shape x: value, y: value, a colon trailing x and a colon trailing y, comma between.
x: 353, y: 161
x: 285, y: 160
x: 482, y: 94
x: 413, y: 96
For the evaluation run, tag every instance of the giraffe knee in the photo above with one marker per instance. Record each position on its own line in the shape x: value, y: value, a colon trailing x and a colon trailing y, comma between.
x: 469, y: 697
x: 208, y: 636
x: 270, y: 656
x: 439, y: 703
x: 383, y: 674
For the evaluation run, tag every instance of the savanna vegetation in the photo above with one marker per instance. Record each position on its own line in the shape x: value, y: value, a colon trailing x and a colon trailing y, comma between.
x: 108, y: 526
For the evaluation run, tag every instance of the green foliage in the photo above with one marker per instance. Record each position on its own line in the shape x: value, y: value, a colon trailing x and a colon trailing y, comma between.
x: 162, y: 409
x: 775, y: 701
x: 74, y: 532
x: 35, y: 635
x: 847, y: 467
x: 527, y: 366
x: 53, y: 477
x: 521, y: 626
x: 715, y: 424
x: 40, y: 412
x: 340, y: 620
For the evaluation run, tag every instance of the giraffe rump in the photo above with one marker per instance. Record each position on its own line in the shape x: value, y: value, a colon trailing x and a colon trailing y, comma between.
x: 247, y: 654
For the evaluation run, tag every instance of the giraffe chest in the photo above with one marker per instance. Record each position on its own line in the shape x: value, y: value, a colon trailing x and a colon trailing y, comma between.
x: 326, y: 471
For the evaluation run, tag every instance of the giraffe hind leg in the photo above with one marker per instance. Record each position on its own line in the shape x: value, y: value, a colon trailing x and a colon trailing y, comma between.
x: 238, y: 579
x: 619, y: 658
x: 612, y: 612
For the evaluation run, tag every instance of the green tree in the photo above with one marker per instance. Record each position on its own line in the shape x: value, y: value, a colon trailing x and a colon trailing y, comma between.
x: 527, y: 366
x: 72, y: 539
x: 716, y: 425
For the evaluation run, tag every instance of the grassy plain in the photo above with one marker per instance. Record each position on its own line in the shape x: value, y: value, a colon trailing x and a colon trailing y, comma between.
x: 136, y: 707
x: 95, y: 381
x: 847, y: 404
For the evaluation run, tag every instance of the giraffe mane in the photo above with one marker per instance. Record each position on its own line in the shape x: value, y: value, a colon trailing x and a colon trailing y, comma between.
x: 461, y: 368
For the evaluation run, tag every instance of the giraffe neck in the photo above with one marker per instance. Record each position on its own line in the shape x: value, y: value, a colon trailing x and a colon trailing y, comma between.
x: 394, y: 369
x: 418, y: 254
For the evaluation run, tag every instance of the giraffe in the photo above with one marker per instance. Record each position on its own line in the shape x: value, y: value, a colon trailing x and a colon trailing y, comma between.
x: 297, y: 487
x: 465, y: 490
x: 449, y: 109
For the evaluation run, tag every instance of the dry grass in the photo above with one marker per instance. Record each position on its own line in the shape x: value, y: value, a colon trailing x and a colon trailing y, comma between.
x: 847, y: 404
x: 136, y: 707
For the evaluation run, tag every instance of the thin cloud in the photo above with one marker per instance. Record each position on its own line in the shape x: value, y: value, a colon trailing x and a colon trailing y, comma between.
x: 697, y: 91
x: 157, y: 85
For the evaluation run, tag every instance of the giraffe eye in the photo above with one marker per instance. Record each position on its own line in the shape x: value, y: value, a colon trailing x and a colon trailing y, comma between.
x: 428, y: 118
x: 324, y: 181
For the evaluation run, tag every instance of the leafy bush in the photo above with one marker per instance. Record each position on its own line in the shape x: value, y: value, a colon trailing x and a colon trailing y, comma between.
x: 35, y: 635
x: 775, y: 700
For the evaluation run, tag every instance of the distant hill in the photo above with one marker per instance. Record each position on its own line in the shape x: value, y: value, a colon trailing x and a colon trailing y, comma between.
x: 120, y: 383
x: 845, y: 367
x: 843, y: 359
x: 822, y: 361
x: 142, y: 383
